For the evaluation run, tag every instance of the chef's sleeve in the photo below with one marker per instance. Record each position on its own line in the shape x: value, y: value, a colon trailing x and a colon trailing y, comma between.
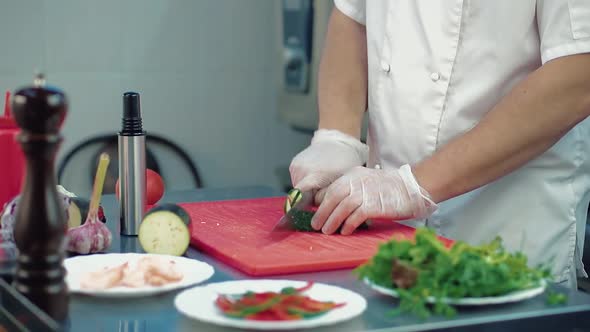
x: 564, y: 27
x: 354, y: 9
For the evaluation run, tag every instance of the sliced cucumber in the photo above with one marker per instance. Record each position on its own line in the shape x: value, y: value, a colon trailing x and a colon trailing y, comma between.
x: 302, y: 222
x: 293, y: 196
x: 302, y: 219
x: 164, y: 230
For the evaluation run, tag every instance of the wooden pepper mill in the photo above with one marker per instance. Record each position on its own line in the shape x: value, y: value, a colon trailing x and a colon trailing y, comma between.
x: 40, y: 224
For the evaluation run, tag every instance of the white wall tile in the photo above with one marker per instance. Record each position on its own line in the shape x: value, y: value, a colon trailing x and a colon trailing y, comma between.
x: 84, y: 35
x: 95, y: 103
x: 206, y: 71
x: 22, y: 38
x: 160, y: 36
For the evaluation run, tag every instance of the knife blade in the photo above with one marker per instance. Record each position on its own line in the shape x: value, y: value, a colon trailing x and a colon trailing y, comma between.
x: 286, y: 223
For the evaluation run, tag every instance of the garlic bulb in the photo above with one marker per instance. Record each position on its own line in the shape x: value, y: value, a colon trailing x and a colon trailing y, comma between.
x: 7, y: 220
x: 92, y: 236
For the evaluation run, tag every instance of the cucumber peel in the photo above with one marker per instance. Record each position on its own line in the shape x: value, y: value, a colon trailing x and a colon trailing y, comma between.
x: 293, y: 196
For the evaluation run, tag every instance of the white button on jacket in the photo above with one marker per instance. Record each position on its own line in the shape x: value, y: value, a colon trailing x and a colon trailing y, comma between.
x: 385, y: 66
x: 450, y: 62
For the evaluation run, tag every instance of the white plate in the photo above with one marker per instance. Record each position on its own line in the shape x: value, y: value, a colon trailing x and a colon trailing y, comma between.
x: 194, y: 272
x: 507, y: 298
x: 199, y: 303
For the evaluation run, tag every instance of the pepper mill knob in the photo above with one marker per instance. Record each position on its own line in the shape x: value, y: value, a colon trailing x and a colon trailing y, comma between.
x: 39, y: 109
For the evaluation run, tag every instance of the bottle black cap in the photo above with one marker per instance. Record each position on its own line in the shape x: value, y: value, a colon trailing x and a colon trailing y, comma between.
x: 132, y: 123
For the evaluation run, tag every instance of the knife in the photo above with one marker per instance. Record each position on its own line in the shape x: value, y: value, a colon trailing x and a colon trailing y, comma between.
x: 305, y: 203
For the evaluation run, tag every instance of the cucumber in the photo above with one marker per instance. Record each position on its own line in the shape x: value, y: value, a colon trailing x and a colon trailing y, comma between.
x: 164, y: 230
x: 302, y: 222
x: 293, y: 196
x: 302, y: 219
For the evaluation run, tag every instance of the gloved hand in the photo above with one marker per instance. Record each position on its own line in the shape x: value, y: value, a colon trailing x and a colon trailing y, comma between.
x: 330, y: 154
x: 364, y: 193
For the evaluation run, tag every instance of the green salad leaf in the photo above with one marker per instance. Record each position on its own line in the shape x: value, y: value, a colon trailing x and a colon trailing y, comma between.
x: 555, y: 298
x: 427, y: 268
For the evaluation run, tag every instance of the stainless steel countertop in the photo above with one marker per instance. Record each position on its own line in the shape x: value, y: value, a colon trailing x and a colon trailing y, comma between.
x: 157, y: 313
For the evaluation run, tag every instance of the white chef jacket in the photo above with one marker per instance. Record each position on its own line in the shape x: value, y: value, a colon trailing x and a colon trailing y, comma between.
x: 435, y: 68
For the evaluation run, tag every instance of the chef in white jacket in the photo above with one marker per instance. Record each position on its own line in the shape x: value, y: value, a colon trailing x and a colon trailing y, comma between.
x: 476, y: 121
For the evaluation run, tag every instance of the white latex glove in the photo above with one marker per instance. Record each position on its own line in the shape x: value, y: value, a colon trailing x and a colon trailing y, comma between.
x: 330, y: 154
x: 364, y: 193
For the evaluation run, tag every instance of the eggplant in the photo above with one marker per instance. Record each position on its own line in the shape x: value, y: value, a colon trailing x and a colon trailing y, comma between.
x: 165, y: 230
x: 78, y: 212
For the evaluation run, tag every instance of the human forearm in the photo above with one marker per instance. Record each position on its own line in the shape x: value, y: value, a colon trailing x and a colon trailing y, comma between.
x: 342, y: 92
x: 523, y: 125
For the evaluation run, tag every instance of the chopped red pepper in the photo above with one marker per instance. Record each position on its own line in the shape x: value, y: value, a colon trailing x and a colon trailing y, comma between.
x: 288, y: 304
x: 305, y: 288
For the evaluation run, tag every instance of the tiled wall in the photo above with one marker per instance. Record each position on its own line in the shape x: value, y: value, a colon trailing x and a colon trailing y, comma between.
x: 206, y: 71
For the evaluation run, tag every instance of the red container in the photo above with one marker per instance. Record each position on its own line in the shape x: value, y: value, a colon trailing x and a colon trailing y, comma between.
x: 12, y: 160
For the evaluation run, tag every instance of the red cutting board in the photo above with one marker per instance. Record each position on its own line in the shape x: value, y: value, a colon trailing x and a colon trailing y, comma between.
x: 237, y: 232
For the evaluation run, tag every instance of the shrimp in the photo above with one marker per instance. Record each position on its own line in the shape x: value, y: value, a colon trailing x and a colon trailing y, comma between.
x: 148, y: 271
x: 105, y: 278
x: 159, y: 271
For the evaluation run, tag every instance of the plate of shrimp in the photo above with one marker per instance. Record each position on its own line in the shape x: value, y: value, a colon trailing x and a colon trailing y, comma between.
x: 132, y: 275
